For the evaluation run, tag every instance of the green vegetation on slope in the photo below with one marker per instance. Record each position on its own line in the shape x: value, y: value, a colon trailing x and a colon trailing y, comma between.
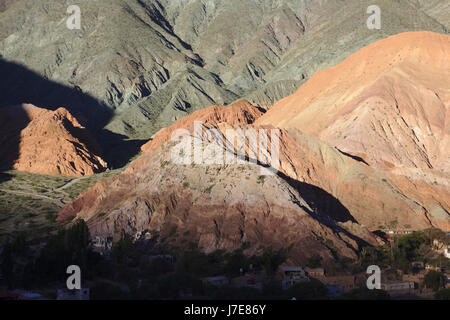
x: 30, y: 202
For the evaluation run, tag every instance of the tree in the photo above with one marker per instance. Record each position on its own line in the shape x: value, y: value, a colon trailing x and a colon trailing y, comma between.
x: 146, y: 291
x: 434, y: 234
x: 19, y: 243
x: 315, y: 261
x: 108, y: 291
x: 406, y: 250
x: 235, y: 262
x: 28, y: 275
x: 122, y: 248
x: 7, y: 265
x: 433, y: 280
x: 156, y: 266
x: 310, y: 290
x: 196, y: 263
x: 273, y: 290
x: 69, y: 246
x: 171, y: 285
x: 77, y: 236
x: 271, y: 259
x: 443, y: 294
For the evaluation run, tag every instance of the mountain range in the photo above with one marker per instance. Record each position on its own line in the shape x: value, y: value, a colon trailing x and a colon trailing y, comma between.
x: 137, y: 66
x: 362, y: 117
x: 384, y: 172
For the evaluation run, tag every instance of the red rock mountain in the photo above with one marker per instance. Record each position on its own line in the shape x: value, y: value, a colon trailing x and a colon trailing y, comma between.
x: 239, y: 112
x: 333, y: 188
x: 217, y: 206
x: 43, y: 141
x: 388, y: 103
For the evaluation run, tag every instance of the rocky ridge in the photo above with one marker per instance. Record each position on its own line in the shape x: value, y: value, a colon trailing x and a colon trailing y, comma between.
x: 41, y: 141
x: 148, y: 63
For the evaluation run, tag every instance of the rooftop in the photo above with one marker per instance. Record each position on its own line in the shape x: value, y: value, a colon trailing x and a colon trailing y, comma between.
x: 292, y: 269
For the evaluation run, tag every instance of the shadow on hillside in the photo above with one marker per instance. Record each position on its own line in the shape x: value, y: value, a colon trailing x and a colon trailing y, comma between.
x: 20, y: 85
x: 5, y: 177
x: 327, y: 209
x: 320, y: 200
x: 356, y: 158
x: 12, y: 122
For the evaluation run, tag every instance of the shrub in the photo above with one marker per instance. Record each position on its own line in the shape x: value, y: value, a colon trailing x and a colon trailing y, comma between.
x: 231, y: 293
x: 433, y: 280
x: 315, y: 261
x: 108, y: 291
x: 443, y: 294
x: 122, y: 248
x: 308, y: 290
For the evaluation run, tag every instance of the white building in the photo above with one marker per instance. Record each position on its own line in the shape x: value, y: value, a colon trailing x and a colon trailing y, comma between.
x: 447, y: 253
x: 406, y: 285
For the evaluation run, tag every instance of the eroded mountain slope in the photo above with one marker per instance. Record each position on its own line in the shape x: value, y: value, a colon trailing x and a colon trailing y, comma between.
x: 217, y: 206
x: 41, y: 141
x: 387, y: 104
x: 148, y: 63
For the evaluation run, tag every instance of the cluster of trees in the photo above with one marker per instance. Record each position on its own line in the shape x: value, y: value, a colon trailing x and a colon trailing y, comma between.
x: 443, y: 294
x: 128, y: 273
x: 220, y: 262
x: 67, y: 247
x: 433, y: 280
x: 177, y: 285
x: 404, y: 250
x: 407, y: 249
x: 160, y: 278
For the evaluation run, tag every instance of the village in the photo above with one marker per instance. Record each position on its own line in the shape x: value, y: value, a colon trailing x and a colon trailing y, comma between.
x: 407, y: 286
x: 192, y: 274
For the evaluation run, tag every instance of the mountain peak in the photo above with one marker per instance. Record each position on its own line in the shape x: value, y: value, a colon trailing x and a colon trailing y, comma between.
x: 387, y: 103
x: 39, y: 140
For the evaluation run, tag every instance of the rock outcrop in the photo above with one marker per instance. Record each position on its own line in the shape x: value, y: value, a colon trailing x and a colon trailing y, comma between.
x: 386, y: 106
x: 239, y: 112
x: 217, y: 206
x: 50, y: 142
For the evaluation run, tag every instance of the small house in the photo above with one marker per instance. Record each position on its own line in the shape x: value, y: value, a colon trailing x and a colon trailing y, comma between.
x: 292, y: 275
x: 399, y: 286
x: 316, y: 272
